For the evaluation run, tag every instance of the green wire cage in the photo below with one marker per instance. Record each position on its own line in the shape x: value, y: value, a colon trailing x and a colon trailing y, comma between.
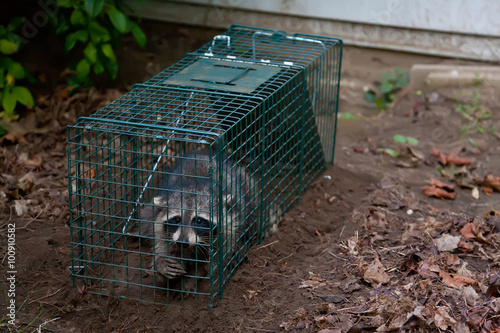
x: 173, y: 183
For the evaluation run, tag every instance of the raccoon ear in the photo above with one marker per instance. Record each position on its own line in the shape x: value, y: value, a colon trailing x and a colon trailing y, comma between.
x: 158, y: 201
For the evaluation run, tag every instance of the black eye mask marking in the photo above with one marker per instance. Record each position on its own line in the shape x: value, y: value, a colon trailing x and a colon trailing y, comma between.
x: 172, y: 224
x: 201, y: 225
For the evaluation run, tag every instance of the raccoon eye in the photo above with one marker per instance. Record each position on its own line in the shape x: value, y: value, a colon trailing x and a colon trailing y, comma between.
x: 174, y: 220
x: 200, y: 221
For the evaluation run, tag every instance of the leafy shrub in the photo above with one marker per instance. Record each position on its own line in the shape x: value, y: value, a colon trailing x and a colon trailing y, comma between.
x: 390, y: 85
x: 96, y: 25
x: 11, y: 72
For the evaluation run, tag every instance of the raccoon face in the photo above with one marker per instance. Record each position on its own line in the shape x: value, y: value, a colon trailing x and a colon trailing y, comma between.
x: 188, y: 228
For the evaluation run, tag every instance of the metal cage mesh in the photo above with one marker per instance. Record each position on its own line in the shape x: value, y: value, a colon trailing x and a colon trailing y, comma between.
x: 218, y: 146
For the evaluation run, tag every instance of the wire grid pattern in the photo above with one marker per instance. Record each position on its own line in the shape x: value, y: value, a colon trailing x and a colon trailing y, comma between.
x: 277, y: 139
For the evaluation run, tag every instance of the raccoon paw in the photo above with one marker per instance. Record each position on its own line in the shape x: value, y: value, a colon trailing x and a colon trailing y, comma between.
x: 169, y: 268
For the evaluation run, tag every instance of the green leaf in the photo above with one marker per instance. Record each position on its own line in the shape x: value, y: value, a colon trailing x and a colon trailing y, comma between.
x: 23, y: 95
x: 386, y: 87
x: 139, y: 35
x: 98, y: 68
x: 392, y: 152
x: 16, y: 70
x: 412, y: 141
x: 61, y: 24
x: 82, y: 69
x: 65, y: 3
x: 98, y: 34
x: 388, y: 76
x: 119, y: 20
x: 111, y: 69
x: 93, y: 7
x: 15, y: 23
x: 108, y: 52
x: 348, y: 115
x: 72, y: 38
x: 77, y: 17
x: 369, y: 96
x: 8, y: 47
x: 402, y: 80
x: 399, y: 138
x: 9, y: 101
x: 381, y: 103
x: 90, y: 53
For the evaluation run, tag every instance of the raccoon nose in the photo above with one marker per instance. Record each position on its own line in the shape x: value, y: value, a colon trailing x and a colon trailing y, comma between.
x: 188, y: 237
x: 184, y: 241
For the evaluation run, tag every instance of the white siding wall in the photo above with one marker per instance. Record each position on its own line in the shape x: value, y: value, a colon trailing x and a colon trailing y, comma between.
x: 455, y: 28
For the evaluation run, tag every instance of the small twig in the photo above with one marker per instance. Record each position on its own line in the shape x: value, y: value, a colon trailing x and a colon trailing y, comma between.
x: 342, y: 231
x: 44, y: 297
x: 336, y: 255
x: 288, y: 256
x: 39, y: 329
x: 263, y: 246
x: 259, y: 329
x: 33, y: 219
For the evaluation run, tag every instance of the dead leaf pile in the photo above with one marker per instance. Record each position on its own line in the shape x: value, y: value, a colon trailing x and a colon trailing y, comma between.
x: 439, y: 189
x: 489, y: 183
x: 450, y: 158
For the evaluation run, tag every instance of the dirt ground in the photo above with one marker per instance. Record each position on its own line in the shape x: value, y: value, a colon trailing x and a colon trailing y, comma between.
x: 366, y: 251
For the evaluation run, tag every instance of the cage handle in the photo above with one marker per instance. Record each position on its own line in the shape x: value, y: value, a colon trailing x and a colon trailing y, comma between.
x: 216, y: 38
x: 277, y: 36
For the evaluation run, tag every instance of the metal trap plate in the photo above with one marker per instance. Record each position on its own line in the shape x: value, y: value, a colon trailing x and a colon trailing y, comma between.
x: 223, y: 75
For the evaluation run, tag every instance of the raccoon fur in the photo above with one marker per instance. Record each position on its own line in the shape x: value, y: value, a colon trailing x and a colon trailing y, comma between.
x: 179, y: 223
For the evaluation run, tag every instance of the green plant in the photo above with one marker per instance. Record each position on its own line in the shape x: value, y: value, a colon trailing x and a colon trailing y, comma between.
x: 400, y: 139
x: 348, y: 115
x: 96, y: 25
x: 11, y: 72
x: 390, y: 85
x: 475, y: 114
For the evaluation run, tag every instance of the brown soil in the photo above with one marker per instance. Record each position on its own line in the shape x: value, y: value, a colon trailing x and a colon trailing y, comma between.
x: 312, y: 275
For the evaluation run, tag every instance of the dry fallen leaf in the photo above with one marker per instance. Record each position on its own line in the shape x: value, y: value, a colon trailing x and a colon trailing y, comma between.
x: 36, y: 161
x: 469, y: 294
x: 20, y: 207
x: 469, y: 231
x: 14, y: 137
x: 455, y: 280
x: 374, y: 273
x: 492, y: 212
x: 457, y: 160
x: 431, y: 191
x: 475, y: 193
x: 450, y: 158
x: 328, y: 330
x: 447, y: 243
x: 439, y: 189
x: 466, y: 247
x: 363, y: 150
x: 490, y: 181
x: 443, y: 319
x: 440, y: 184
x: 416, y: 153
x: 441, y: 157
x: 487, y: 190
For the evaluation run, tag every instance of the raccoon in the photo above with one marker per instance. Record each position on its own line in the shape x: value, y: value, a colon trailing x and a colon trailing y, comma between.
x: 179, y: 219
